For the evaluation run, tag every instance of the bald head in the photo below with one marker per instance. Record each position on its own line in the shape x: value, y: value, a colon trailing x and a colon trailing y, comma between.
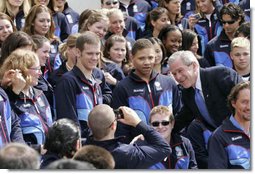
x: 100, y: 119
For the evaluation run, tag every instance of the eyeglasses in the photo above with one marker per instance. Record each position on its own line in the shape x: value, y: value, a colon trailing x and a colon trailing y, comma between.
x: 36, y: 68
x: 111, y: 2
x: 163, y: 123
x: 229, y: 22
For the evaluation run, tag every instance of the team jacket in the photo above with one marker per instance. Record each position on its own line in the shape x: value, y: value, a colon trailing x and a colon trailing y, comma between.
x: 10, y: 130
x: 142, y: 97
x: 229, y: 148
x: 71, y: 16
x: 34, y: 114
x: 207, y: 31
x: 217, y: 51
x: 76, y: 96
x: 133, y: 156
x: 199, y: 134
x: 137, y: 9
x: 182, y: 156
x: 62, y: 29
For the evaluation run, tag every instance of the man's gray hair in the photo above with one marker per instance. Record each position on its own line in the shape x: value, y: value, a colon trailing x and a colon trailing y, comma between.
x: 187, y: 57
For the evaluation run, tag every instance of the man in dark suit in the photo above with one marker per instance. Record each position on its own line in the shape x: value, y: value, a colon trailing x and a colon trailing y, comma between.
x: 211, y: 86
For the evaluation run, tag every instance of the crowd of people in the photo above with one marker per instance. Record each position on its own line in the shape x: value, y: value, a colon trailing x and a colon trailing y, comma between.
x: 137, y: 84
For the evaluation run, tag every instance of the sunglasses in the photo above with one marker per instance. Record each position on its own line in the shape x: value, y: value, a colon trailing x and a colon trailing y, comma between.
x: 229, y: 22
x: 163, y: 123
x: 111, y: 2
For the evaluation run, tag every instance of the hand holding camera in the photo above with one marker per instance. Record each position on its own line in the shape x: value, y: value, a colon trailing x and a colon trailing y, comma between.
x: 127, y: 116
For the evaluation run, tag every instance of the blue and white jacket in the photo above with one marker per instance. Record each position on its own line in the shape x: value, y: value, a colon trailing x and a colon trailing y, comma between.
x: 76, y: 96
x: 229, y: 147
x: 34, y: 114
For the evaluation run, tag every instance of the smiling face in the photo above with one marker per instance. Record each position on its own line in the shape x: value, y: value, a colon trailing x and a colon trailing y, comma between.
x: 185, y: 75
x: 42, y: 23
x: 164, y: 130
x: 144, y: 61
x: 161, y: 22
x: 5, y: 29
x: 99, y: 28
x: 89, y: 57
x: 118, y: 52
x: 242, y: 105
x: 173, y: 41
x: 117, y: 23
x: 205, y: 6
x: 43, y: 53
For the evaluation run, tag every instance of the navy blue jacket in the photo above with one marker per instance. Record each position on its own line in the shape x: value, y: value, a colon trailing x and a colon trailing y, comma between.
x: 217, y: 83
x: 19, y: 20
x: 133, y: 156
x: 142, y: 97
x: 182, y: 156
x: 10, y: 130
x: 229, y: 148
x: 62, y: 29
x: 217, y: 51
x: 75, y: 96
x: 48, y: 158
x: 34, y: 114
x: 71, y: 16
x: 199, y: 135
x: 137, y: 9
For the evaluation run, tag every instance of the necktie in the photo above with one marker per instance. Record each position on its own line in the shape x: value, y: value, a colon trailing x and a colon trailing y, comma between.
x: 202, y: 107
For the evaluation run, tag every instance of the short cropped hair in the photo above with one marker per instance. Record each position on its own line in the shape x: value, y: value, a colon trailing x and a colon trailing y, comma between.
x: 19, y: 156
x: 233, y: 95
x: 70, y: 164
x: 141, y: 44
x: 98, y: 156
x: 62, y: 138
x: 240, y: 42
x: 87, y: 37
x: 160, y: 109
x: 187, y: 57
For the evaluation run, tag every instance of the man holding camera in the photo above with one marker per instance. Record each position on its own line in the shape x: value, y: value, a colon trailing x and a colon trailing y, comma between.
x: 103, y: 123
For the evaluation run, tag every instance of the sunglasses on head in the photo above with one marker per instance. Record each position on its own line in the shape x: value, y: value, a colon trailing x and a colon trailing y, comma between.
x: 111, y: 2
x: 229, y: 22
x: 163, y: 123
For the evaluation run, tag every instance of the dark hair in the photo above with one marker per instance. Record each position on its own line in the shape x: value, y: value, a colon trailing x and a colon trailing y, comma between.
x: 83, y: 17
x: 165, y: 30
x: 234, y: 11
x: 19, y: 156
x: 87, y: 37
x: 235, y: 92
x: 110, y: 42
x: 244, y: 29
x: 154, y: 15
x: 70, y: 164
x: 141, y: 44
x: 98, y: 156
x: 14, y: 41
x: 62, y: 138
x: 155, y: 40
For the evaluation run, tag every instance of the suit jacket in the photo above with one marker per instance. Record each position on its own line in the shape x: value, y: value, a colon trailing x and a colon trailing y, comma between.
x: 217, y: 83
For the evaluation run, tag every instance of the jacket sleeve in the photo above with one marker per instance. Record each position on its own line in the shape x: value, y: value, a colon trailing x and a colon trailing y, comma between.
x: 146, y: 155
x: 218, y: 157
x: 192, y: 158
x: 16, y: 132
x: 119, y: 97
x: 65, y: 98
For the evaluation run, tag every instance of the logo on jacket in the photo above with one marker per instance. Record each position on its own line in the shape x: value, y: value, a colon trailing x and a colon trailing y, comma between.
x: 85, y: 88
x: 179, y: 152
x: 158, y: 86
x: 224, y: 46
x: 236, y: 138
x: 138, y: 90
